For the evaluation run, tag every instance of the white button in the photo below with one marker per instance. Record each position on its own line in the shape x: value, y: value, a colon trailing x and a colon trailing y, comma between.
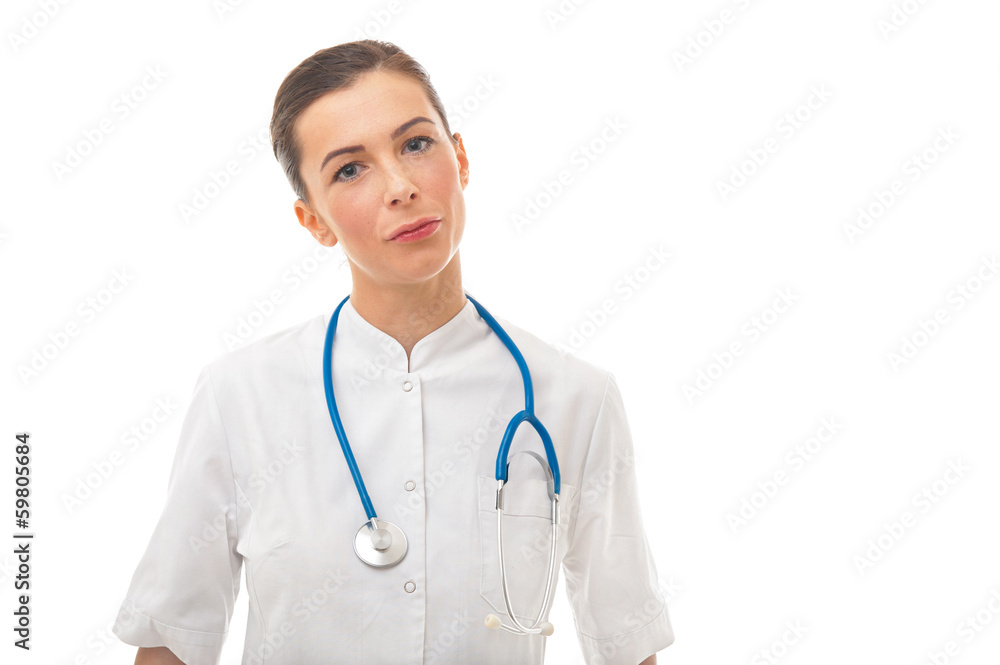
x: 409, y: 587
x: 410, y: 485
x: 407, y: 386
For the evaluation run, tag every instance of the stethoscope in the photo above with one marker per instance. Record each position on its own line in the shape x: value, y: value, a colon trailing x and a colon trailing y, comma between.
x: 380, y: 543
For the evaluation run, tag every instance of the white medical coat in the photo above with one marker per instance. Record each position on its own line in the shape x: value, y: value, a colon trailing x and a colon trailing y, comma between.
x: 259, y: 481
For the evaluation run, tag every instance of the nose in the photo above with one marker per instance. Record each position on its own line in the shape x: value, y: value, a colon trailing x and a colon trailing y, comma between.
x: 398, y: 186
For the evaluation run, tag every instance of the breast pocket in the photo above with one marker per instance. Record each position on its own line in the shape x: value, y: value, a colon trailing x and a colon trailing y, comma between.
x: 527, y: 539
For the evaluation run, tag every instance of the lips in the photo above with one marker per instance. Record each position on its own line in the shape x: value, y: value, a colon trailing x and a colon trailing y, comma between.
x: 412, y: 226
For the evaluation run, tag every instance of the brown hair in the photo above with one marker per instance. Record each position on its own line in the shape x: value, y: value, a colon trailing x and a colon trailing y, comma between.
x: 331, y: 69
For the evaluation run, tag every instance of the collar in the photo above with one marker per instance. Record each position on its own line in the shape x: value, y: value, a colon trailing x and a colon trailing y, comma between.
x: 447, y: 344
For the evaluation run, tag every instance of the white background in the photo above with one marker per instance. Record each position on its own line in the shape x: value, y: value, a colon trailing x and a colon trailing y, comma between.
x: 685, y: 129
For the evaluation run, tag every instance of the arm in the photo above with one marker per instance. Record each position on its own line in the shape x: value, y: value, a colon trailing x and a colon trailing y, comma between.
x: 610, y: 575
x: 200, y: 568
x: 161, y: 656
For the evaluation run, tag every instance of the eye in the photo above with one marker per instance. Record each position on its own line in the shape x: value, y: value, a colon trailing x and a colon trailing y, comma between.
x: 417, y: 139
x: 350, y: 170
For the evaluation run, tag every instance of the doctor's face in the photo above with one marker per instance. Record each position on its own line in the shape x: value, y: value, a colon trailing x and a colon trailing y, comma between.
x: 375, y: 159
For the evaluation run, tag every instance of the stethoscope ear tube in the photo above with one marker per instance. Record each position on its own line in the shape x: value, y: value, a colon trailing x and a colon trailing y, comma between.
x: 537, y: 626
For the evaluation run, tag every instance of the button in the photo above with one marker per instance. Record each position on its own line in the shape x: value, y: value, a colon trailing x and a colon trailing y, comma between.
x: 409, y: 587
x: 407, y: 386
x: 410, y: 485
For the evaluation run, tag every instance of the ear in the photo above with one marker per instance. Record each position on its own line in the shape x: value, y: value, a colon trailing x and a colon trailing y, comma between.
x: 463, y: 161
x: 314, y: 224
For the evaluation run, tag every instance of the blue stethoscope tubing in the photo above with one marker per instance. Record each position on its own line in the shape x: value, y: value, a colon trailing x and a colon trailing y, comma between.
x: 331, y: 404
x: 525, y: 415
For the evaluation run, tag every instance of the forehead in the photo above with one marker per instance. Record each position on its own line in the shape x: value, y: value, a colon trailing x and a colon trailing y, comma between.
x: 365, y: 113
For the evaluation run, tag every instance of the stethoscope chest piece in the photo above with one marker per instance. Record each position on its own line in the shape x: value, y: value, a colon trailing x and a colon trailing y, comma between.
x: 380, y: 547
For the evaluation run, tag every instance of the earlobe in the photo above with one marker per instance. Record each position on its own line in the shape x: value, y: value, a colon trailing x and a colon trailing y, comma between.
x: 312, y: 223
x: 325, y: 238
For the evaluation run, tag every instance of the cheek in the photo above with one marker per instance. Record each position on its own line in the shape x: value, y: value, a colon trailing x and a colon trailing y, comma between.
x: 442, y: 174
x: 353, y: 215
x: 344, y: 208
x: 442, y: 185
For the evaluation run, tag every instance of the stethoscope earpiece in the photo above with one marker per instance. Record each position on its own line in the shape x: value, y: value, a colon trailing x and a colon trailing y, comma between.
x: 493, y: 622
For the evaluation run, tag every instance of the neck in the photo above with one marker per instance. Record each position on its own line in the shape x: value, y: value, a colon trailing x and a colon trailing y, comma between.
x: 409, y: 312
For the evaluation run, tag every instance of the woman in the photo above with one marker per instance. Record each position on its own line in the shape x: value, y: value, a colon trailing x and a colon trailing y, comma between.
x: 424, y: 387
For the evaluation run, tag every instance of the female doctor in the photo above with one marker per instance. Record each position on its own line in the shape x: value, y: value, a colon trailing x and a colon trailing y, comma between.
x: 424, y: 386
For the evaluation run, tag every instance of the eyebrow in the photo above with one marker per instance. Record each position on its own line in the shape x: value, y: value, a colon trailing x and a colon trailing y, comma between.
x: 396, y: 133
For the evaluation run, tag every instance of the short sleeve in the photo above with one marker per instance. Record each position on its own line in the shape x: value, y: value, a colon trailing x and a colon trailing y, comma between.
x: 620, y: 613
x: 185, y: 586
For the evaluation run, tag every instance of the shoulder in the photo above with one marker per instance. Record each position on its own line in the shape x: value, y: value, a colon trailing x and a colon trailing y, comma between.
x: 558, y: 368
x: 275, y: 355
